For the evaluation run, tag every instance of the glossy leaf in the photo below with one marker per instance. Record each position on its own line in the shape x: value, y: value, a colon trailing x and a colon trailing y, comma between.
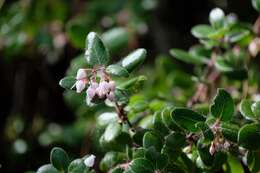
x: 249, y: 135
x: 187, y: 118
x: 223, y: 106
x: 117, y: 70
x: 59, y: 159
x: 67, y: 82
x: 77, y: 166
x: 48, y: 168
x: 152, y: 140
x: 255, y: 107
x: 112, y: 131
x: 201, y: 31
x: 245, y: 109
x: 134, y: 59
x: 188, y: 58
x: 96, y: 52
x: 141, y: 165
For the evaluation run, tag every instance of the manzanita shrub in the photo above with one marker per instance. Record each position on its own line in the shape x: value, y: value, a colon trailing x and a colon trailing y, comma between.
x: 214, y: 128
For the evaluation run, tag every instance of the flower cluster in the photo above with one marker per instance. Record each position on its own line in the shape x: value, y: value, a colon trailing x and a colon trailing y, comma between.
x: 104, y: 89
x: 219, y: 143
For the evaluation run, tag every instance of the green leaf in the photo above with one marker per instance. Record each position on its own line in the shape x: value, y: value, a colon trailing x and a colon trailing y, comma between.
x: 167, y: 119
x: 106, y: 118
x: 77, y: 166
x: 96, y: 52
x: 223, y: 106
x: 187, y: 118
x: 117, y: 70
x: 48, y: 168
x: 188, y: 58
x: 206, y: 131
x: 202, y: 31
x: 234, y: 165
x: 134, y: 59
x: 117, y: 170
x: 67, y: 82
x: 249, y: 135
x: 175, y: 140
x: 255, y: 107
x: 141, y: 165
x: 152, y: 140
x: 132, y: 84
x: 110, y: 160
x: 256, y: 4
x: 253, y: 160
x: 223, y: 66
x: 245, y: 109
x: 229, y: 131
x: 112, y: 131
x: 115, y: 39
x: 59, y: 159
x: 159, y: 125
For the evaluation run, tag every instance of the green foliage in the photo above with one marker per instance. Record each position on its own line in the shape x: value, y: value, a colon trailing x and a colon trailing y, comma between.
x: 169, y: 121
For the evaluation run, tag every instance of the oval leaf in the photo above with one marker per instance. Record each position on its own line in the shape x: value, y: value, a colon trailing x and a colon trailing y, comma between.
x: 48, y: 168
x: 134, y: 59
x: 245, y: 109
x: 59, y: 159
x: 117, y: 70
x: 187, y: 118
x: 96, y: 52
x: 67, y: 82
x: 223, y: 106
x: 249, y: 136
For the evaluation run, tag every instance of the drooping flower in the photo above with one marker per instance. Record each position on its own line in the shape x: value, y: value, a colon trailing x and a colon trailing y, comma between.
x: 80, y: 85
x: 81, y: 80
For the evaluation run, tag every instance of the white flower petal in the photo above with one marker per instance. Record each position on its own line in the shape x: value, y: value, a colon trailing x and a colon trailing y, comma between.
x: 80, y: 86
x: 81, y: 74
x: 89, y: 161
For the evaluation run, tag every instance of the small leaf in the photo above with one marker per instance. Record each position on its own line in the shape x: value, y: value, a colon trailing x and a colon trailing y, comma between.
x: 67, y: 82
x: 141, y: 165
x: 202, y: 31
x: 96, y: 53
x: 59, y: 159
x: 249, y: 136
x: 255, y: 107
x: 110, y: 159
x: 188, y: 58
x: 223, y: 106
x: 132, y: 84
x: 77, y: 166
x: 245, y: 109
x: 229, y: 131
x: 175, y: 140
x: 152, y: 140
x: 159, y: 125
x: 117, y: 70
x: 48, y: 168
x: 134, y: 59
x: 115, y: 39
x: 187, y: 118
x: 106, y: 118
x: 112, y: 131
x: 167, y: 119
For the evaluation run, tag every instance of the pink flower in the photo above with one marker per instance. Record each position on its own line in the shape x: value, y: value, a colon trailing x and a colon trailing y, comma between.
x: 80, y: 85
x: 81, y: 74
x: 111, y: 96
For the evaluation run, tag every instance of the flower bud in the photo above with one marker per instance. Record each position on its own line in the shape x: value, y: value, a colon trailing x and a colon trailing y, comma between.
x: 216, y: 17
x: 89, y: 161
x: 80, y: 86
x: 212, y: 148
x: 81, y: 74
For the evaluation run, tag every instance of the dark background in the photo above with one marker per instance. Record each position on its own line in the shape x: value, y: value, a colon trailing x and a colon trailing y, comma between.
x: 30, y: 86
